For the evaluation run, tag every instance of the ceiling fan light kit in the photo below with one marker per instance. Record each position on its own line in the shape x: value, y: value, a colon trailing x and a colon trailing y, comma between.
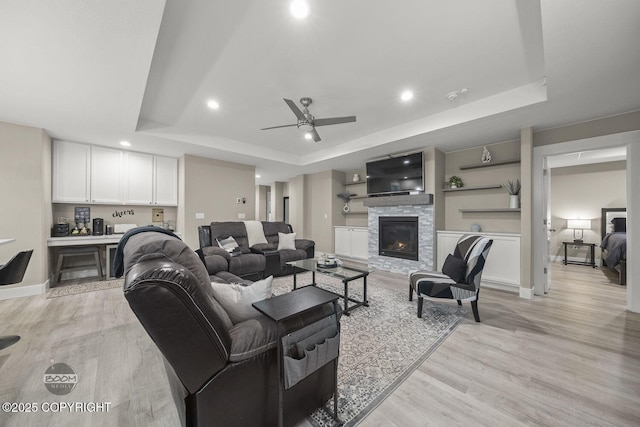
x: 307, y: 123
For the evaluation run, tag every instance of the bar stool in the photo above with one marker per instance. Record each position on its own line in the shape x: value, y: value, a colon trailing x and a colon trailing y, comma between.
x: 86, y: 251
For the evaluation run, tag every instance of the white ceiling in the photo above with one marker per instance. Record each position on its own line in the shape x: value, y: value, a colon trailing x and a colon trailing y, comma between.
x: 104, y: 71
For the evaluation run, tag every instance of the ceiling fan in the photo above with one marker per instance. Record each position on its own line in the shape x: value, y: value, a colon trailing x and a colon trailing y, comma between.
x: 307, y: 123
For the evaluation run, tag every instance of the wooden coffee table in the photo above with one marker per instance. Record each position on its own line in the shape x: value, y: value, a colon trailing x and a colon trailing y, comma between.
x: 345, y: 274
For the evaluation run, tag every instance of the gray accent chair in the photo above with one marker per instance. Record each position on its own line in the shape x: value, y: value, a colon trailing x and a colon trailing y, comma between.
x: 460, y: 277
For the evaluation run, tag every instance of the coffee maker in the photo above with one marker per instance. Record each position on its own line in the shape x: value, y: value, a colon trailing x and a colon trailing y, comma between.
x: 98, y: 226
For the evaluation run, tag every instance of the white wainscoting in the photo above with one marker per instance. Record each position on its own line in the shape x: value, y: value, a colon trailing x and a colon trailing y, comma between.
x: 502, y: 269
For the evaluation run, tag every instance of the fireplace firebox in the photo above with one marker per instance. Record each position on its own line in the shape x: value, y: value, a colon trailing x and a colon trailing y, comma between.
x: 398, y: 237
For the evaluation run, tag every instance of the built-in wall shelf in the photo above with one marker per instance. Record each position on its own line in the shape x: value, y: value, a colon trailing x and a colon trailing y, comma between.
x: 490, y: 210
x: 491, y: 164
x: 354, y: 183
x: 358, y: 197
x: 472, y: 187
x: 355, y: 213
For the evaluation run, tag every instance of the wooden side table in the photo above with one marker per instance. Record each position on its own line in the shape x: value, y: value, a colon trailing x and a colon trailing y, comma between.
x: 592, y: 253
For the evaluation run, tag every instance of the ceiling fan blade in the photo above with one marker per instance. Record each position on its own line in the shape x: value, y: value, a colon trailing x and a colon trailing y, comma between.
x: 334, y: 121
x: 276, y: 127
x: 314, y: 134
x: 299, y: 114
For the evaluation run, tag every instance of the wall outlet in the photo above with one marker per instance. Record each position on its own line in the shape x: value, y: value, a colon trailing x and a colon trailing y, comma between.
x: 238, y: 200
x: 199, y: 215
x: 241, y: 216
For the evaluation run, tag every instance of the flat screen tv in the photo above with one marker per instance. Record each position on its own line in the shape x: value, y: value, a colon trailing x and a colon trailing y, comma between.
x: 396, y: 175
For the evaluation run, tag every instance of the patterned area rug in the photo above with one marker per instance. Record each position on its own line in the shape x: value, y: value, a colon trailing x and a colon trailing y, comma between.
x: 381, y: 345
x: 80, y: 288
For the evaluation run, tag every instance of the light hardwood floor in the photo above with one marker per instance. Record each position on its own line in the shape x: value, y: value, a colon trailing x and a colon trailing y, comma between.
x: 570, y: 358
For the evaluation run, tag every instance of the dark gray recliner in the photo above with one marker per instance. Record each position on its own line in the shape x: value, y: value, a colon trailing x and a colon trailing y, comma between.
x: 274, y: 260
x: 221, y: 373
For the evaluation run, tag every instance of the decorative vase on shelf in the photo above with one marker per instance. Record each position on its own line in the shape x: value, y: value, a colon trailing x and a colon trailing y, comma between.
x: 514, y: 201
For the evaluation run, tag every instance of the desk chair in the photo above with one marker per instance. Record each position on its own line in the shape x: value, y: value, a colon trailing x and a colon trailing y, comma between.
x: 11, y: 273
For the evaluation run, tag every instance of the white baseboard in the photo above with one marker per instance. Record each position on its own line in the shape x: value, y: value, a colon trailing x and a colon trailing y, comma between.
x: 526, y: 293
x: 20, y: 291
x: 500, y: 286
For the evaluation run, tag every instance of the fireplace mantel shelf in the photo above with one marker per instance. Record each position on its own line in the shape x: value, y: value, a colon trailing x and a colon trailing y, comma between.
x: 491, y: 210
x: 405, y: 200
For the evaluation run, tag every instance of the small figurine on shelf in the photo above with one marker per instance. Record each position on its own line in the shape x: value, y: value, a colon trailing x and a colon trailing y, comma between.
x: 346, y: 197
x: 486, y: 155
x: 356, y: 177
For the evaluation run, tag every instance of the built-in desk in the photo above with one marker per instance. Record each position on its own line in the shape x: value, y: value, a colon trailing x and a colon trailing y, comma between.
x: 109, y: 242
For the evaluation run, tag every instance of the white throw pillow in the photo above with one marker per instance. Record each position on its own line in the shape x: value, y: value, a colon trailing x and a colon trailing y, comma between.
x: 236, y: 299
x: 255, y: 232
x: 286, y: 241
x: 229, y: 243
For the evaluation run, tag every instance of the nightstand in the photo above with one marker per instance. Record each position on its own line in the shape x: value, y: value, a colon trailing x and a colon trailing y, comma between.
x: 592, y: 252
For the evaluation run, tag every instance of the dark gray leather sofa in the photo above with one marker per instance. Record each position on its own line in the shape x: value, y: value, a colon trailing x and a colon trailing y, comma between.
x: 260, y: 260
x: 220, y: 373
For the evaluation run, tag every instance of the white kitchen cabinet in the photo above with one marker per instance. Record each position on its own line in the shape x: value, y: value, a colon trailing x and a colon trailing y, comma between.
x: 352, y: 242
x: 106, y: 175
x: 89, y: 174
x: 138, y: 178
x: 71, y: 172
x: 165, y: 179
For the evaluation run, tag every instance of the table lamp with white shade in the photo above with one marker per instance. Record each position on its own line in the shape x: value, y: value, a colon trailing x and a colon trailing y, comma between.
x: 579, y: 224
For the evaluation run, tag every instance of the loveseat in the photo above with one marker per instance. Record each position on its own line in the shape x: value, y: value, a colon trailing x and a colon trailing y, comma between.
x: 257, y: 256
x: 221, y: 371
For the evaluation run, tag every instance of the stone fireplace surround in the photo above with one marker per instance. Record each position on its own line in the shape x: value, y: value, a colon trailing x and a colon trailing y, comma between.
x: 421, y: 206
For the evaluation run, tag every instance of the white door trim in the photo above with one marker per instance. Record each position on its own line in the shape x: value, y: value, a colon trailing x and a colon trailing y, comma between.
x: 632, y: 141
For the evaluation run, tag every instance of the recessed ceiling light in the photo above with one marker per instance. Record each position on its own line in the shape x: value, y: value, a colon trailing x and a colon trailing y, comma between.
x: 407, y: 95
x: 125, y: 143
x: 299, y: 9
x: 213, y: 104
x: 308, y: 135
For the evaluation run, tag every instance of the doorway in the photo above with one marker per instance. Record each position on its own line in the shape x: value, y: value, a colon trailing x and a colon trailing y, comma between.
x: 285, y: 209
x: 541, y: 227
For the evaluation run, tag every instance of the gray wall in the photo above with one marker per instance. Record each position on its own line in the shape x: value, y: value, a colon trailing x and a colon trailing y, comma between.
x: 211, y: 187
x: 492, y: 198
x: 581, y: 192
x: 25, y: 185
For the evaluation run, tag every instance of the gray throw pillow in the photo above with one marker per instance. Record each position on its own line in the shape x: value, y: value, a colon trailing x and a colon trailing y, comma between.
x: 455, y: 268
x: 229, y: 243
x: 236, y: 298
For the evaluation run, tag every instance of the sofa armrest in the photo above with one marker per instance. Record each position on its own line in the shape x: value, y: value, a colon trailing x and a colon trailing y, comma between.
x: 272, y: 266
x: 216, y: 250
x: 215, y: 259
x: 261, y: 248
x: 306, y: 245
